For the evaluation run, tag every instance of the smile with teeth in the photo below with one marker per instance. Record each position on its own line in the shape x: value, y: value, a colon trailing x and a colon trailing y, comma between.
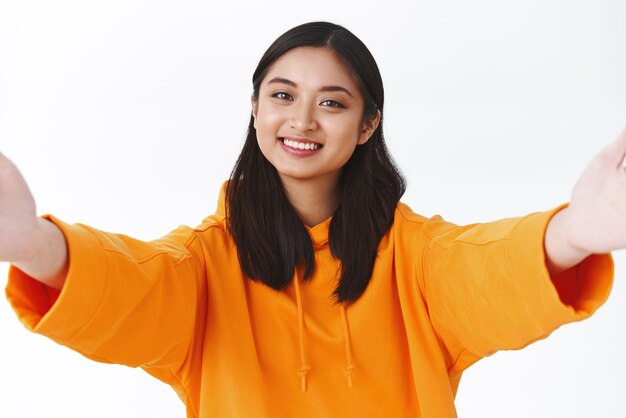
x: 300, y: 145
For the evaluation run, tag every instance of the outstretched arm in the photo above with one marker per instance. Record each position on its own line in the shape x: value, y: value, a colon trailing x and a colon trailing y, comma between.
x: 34, y: 245
x: 123, y: 300
x: 595, y: 220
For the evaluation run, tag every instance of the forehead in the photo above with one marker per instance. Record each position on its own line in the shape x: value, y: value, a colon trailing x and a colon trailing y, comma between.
x: 312, y: 67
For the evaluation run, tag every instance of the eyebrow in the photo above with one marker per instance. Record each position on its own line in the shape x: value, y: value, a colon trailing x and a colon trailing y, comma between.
x: 282, y: 80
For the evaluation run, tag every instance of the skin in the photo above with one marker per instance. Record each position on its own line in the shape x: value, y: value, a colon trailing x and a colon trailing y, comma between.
x: 34, y: 245
x: 594, y: 222
x: 294, y: 102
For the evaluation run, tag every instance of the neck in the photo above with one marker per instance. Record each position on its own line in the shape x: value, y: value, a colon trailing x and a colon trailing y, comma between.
x: 314, y: 200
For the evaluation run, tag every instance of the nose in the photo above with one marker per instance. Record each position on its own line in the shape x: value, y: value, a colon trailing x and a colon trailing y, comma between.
x: 303, y: 117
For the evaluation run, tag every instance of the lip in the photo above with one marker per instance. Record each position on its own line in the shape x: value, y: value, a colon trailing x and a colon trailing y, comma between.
x: 299, y: 152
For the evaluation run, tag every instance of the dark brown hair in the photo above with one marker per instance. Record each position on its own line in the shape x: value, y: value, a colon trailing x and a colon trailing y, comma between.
x: 270, y: 237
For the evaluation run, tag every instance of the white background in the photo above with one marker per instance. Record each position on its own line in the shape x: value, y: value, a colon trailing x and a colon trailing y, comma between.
x: 128, y: 115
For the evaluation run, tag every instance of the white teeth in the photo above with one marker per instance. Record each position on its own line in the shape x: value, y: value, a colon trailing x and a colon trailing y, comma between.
x: 300, y: 145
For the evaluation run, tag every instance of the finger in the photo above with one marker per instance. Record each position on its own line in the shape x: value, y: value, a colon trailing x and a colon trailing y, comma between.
x: 5, y: 162
x: 616, y: 150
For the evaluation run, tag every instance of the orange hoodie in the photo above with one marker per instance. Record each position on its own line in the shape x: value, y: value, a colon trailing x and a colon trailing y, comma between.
x: 440, y: 298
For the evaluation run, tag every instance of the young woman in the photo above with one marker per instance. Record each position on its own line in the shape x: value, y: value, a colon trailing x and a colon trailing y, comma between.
x: 312, y: 291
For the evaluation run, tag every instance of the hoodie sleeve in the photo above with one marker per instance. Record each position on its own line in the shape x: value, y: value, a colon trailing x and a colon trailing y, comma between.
x: 488, y: 288
x: 124, y: 301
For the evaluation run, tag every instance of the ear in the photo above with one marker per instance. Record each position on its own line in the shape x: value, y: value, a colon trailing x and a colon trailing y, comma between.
x: 255, y: 105
x: 369, y: 126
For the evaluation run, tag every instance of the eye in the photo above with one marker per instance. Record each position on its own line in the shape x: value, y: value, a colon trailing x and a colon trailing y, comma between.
x: 333, y: 103
x: 282, y: 95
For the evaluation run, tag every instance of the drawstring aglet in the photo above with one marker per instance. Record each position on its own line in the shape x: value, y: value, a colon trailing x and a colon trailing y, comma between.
x: 303, y: 372
x: 349, y: 374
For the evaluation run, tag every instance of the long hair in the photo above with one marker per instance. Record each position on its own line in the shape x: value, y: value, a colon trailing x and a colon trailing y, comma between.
x: 271, y: 239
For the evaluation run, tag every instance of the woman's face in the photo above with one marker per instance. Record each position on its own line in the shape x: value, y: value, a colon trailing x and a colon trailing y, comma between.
x: 308, y: 116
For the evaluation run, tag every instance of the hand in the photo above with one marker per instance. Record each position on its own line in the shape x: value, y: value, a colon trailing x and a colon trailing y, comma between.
x: 18, y: 219
x: 596, y: 222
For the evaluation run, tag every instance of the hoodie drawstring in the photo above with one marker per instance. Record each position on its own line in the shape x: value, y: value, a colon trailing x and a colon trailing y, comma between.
x: 304, y: 365
x: 346, y: 337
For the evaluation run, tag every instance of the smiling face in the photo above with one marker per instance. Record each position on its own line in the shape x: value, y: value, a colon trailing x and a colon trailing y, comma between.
x: 309, y: 115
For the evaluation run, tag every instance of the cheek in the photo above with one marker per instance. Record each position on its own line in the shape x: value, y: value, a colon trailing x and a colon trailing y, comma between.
x: 345, y: 130
x: 267, y: 124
